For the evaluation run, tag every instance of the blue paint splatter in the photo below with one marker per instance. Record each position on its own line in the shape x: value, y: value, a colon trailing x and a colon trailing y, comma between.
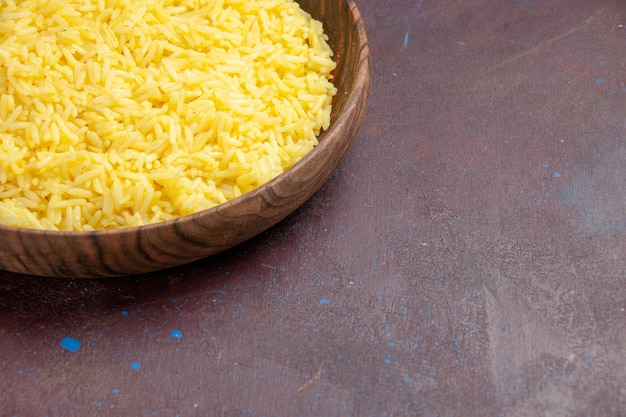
x: 557, y: 174
x: 115, y: 390
x: 136, y: 366
x: 599, y: 80
x: 177, y: 334
x: 406, y: 39
x: 124, y: 313
x: 323, y: 301
x: 71, y: 344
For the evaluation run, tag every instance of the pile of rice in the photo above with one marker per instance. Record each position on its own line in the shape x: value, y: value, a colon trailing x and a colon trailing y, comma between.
x: 118, y: 113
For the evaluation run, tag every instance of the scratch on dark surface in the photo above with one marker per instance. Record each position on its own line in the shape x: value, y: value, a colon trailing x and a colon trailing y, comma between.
x: 549, y: 41
x: 311, y: 380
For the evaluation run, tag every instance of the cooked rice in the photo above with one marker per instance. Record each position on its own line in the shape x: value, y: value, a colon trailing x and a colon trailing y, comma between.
x: 116, y: 114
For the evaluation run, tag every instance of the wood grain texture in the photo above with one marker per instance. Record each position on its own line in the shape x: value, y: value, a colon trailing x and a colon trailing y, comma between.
x: 147, y: 248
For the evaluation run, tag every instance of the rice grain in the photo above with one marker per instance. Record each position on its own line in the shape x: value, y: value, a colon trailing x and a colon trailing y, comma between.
x: 113, y: 116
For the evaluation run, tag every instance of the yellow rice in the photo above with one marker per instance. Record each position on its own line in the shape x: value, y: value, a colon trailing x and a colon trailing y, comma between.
x: 118, y: 113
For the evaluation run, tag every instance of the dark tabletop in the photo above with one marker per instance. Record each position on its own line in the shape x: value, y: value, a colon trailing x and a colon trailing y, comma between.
x: 466, y: 259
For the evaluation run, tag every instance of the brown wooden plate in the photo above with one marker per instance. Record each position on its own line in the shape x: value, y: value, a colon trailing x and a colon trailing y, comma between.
x: 170, y: 243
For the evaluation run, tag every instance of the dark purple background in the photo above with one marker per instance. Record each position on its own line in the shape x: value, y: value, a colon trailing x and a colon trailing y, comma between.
x: 467, y: 259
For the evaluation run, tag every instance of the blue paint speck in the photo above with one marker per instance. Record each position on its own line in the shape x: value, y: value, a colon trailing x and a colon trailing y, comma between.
x: 136, y: 366
x: 406, y: 39
x: 387, y: 361
x: 599, y: 80
x: 323, y: 301
x: 557, y: 174
x: 20, y: 372
x: 177, y: 334
x: 124, y: 313
x: 71, y: 344
x: 115, y: 391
